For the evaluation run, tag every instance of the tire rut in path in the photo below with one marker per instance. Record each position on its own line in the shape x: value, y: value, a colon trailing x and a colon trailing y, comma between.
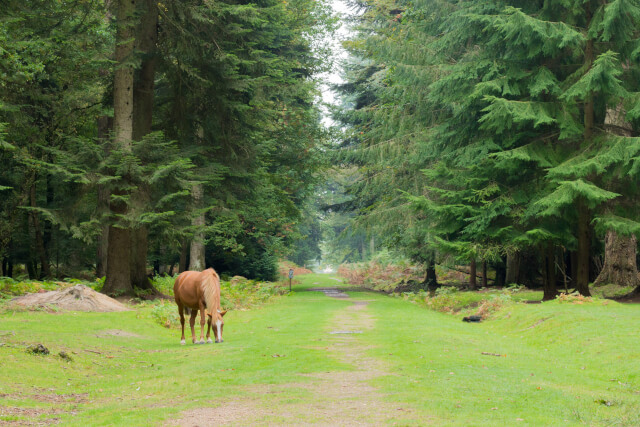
x: 342, y: 398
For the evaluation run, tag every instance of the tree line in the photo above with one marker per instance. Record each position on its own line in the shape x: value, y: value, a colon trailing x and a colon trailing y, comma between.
x: 137, y: 133
x: 500, y: 133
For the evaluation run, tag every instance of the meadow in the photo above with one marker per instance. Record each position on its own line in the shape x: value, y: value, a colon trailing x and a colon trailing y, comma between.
x: 305, y: 357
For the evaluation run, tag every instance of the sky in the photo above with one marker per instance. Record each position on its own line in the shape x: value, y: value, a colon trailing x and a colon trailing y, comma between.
x: 339, y: 55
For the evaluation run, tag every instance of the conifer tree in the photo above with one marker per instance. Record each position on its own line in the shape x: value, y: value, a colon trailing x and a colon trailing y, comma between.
x: 517, y: 96
x: 118, y: 278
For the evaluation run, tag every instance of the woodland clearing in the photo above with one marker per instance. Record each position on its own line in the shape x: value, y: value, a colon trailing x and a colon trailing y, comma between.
x: 308, y: 358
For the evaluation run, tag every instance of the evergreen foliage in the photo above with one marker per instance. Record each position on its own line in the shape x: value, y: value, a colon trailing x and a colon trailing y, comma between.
x: 234, y: 111
x: 506, y: 107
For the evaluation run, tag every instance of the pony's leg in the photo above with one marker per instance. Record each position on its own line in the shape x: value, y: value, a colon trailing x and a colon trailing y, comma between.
x: 192, y: 323
x: 181, y: 312
x: 202, y: 317
x: 209, y: 340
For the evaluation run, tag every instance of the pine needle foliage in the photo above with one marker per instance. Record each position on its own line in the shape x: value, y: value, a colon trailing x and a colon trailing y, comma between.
x: 508, y: 108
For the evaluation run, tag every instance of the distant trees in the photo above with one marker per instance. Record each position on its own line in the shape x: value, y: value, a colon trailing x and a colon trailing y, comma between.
x: 509, y: 126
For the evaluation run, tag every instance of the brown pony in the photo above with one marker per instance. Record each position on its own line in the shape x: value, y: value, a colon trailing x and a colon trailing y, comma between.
x: 196, y: 291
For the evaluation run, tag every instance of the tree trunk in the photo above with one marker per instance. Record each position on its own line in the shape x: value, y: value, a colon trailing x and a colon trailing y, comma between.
x: 620, y: 265
x: 118, y: 254
x: 105, y: 126
x: 513, y: 268
x: 7, y: 266
x: 472, y: 275
x: 584, y: 239
x: 501, y: 273
x: 584, y: 245
x: 47, y: 235
x: 549, y: 282
x: 143, y: 91
x: 32, y: 269
x: 484, y: 274
x: 196, y: 256
x: 45, y: 270
x: 430, y: 279
x: 139, y: 249
x: 184, y: 254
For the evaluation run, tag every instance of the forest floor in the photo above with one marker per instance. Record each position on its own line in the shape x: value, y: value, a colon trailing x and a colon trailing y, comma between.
x: 324, y: 357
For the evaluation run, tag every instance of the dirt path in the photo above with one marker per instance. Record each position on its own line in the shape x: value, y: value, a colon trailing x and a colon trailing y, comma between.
x: 339, y: 398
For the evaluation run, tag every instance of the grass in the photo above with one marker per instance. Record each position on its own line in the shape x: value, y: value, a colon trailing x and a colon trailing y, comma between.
x: 569, y: 363
x: 129, y: 370
x: 557, y: 364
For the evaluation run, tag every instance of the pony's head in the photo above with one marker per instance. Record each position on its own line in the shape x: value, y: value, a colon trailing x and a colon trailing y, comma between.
x: 217, y: 323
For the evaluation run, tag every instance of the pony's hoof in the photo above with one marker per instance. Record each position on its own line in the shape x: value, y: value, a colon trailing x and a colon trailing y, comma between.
x: 201, y: 342
x: 182, y: 342
x: 219, y: 341
x: 209, y: 341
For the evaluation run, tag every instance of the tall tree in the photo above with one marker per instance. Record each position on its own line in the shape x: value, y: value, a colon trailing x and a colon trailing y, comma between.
x: 146, y: 38
x: 118, y: 253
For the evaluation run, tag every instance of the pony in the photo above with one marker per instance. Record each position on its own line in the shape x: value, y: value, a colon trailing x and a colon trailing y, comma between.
x: 200, y: 291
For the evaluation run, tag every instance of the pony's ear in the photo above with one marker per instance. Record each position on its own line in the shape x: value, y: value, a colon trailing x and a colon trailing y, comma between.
x: 209, y: 314
x: 223, y: 312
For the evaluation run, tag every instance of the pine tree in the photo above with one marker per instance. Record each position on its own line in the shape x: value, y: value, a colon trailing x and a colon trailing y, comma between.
x: 517, y: 94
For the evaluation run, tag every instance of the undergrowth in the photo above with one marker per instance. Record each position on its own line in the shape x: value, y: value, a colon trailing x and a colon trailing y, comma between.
x: 236, y: 294
x: 379, y: 276
x: 10, y: 288
x: 452, y: 300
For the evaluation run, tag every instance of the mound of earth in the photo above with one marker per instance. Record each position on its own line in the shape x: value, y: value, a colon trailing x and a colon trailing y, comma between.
x: 75, y: 298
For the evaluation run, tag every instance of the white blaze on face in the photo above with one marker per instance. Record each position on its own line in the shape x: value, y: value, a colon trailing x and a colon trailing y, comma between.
x: 219, y: 326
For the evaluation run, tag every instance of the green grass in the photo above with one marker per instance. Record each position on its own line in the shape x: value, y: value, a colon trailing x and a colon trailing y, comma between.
x: 135, y: 380
x: 559, y: 364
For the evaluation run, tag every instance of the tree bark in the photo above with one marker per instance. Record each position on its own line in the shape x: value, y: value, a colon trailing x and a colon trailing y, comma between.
x: 620, y: 265
x: 584, y: 246
x: 105, y: 126
x: 501, y: 273
x: 472, y: 275
x: 138, y: 261
x: 47, y: 235
x: 143, y: 94
x: 184, y: 254
x: 484, y: 274
x: 430, y: 279
x: 196, y: 256
x: 584, y: 239
x: 549, y: 283
x: 513, y: 268
x: 118, y: 254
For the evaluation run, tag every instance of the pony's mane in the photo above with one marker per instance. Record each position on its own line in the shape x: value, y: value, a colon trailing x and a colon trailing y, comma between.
x: 211, y: 289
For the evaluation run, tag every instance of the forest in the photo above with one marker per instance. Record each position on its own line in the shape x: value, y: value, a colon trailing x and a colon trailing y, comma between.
x: 499, y: 134
x: 419, y: 212
x: 145, y: 137
x: 139, y: 135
